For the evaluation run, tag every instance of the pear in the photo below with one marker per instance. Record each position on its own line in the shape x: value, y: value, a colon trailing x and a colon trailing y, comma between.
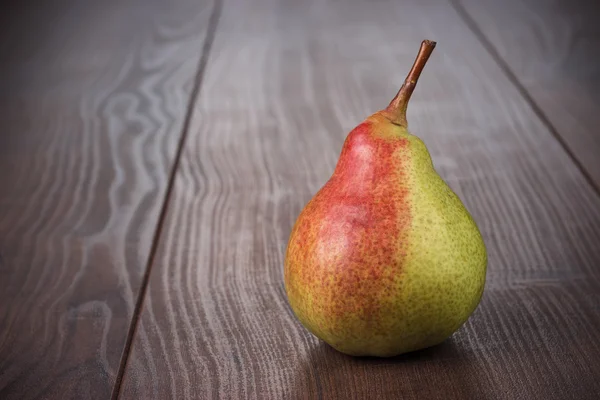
x: 385, y: 259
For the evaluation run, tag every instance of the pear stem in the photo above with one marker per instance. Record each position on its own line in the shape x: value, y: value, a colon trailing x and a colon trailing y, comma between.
x: 396, y: 111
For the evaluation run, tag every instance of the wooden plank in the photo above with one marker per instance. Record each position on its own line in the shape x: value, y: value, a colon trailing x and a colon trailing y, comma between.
x: 551, y: 48
x: 285, y: 83
x: 92, y: 102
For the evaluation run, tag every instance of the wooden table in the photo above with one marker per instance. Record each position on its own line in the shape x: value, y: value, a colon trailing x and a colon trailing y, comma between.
x: 154, y: 156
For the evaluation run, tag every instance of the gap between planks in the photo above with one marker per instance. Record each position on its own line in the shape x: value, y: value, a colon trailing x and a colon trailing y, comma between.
x: 197, y: 86
x: 514, y: 79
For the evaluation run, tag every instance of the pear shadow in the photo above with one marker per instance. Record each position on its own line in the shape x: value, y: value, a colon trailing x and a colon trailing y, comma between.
x: 440, y: 371
x: 446, y: 349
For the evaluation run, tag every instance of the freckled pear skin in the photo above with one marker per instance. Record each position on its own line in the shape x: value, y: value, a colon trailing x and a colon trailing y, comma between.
x: 385, y: 259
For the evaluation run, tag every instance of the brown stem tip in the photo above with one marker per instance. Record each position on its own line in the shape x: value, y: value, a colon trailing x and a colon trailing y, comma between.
x: 396, y: 111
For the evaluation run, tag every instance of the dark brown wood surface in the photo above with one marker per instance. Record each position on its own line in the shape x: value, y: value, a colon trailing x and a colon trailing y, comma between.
x: 92, y: 103
x: 552, y: 48
x: 285, y: 83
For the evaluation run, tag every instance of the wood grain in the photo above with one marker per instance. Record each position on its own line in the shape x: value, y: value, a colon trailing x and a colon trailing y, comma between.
x: 552, y: 48
x: 286, y: 82
x: 92, y: 101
